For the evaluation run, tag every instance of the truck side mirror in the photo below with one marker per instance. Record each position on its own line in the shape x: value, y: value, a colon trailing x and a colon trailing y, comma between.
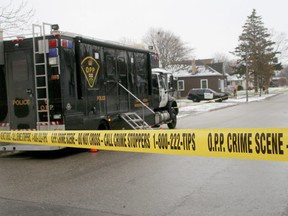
x: 171, y: 85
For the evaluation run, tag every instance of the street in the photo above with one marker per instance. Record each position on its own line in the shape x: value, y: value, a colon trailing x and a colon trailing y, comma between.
x: 268, y: 113
x: 77, y: 182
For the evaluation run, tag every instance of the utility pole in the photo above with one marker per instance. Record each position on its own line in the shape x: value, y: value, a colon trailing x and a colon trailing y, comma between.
x: 247, y: 76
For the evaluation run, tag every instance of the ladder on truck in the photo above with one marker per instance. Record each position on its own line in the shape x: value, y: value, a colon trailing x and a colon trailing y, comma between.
x: 40, y: 50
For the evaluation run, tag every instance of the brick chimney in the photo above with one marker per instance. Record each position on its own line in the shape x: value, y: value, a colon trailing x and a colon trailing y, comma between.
x: 194, y: 67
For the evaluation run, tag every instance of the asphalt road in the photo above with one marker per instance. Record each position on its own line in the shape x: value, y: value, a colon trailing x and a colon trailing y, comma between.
x: 73, y: 182
x: 268, y: 113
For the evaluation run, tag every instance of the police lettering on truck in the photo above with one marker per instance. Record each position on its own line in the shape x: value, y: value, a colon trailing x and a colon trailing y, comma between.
x: 61, y: 81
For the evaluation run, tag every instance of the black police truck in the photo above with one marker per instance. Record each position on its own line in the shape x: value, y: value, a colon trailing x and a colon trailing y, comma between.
x: 65, y: 81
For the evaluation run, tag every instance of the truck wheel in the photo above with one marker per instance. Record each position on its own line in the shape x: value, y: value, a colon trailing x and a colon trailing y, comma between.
x: 172, y: 107
x: 103, y: 126
x: 173, y: 111
x: 172, y: 124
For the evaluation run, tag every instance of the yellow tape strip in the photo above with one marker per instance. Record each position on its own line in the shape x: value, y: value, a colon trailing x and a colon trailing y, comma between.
x: 246, y: 143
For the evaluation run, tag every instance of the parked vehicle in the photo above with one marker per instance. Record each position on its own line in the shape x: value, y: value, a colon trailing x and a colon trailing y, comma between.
x: 198, y: 94
x: 63, y: 81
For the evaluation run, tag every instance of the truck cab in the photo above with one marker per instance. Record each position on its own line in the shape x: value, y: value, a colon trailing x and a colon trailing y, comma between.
x: 163, y: 90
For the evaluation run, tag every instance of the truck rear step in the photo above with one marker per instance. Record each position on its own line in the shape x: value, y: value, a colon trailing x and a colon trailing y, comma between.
x: 135, y: 121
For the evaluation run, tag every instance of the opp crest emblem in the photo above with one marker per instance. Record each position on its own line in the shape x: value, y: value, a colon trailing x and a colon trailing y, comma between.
x: 90, y: 68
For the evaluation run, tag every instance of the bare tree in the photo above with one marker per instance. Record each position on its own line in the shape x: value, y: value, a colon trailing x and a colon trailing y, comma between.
x: 224, y: 58
x: 170, y: 48
x: 220, y: 57
x: 132, y: 43
x: 281, y: 45
x: 15, y: 19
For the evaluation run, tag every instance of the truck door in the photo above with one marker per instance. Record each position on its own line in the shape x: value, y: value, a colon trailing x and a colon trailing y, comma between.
x: 111, y: 84
x: 19, y: 69
x: 123, y: 79
x: 3, y: 97
x: 162, y: 90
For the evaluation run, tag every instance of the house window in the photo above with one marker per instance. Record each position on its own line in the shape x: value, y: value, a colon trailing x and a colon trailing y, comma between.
x: 204, y: 83
x: 180, y: 84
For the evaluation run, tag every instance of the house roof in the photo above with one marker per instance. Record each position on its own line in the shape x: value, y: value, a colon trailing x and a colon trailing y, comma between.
x: 197, y: 62
x: 219, y: 66
x: 201, y: 70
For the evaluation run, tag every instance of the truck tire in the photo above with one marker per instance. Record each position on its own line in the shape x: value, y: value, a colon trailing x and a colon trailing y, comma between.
x: 173, y: 123
x: 103, y: 126
x: 172, y: 106
x: 173, y: 111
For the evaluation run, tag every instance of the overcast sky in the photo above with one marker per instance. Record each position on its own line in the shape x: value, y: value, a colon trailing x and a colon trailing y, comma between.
x: 208, y: 26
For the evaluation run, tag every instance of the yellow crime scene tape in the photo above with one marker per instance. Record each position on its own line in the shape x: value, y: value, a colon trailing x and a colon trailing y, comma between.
x: 242, y: 143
